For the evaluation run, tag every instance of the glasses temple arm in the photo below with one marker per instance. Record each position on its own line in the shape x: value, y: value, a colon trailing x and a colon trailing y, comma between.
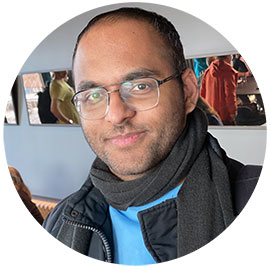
x: 175, y: 75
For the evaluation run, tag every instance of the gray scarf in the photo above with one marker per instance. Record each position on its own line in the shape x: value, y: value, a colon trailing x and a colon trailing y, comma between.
x: 165, y: 177
x: 204, y: 203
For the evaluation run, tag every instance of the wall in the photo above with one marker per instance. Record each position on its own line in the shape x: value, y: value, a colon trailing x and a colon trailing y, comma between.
x: 53, y: 160
x: 55, y: 51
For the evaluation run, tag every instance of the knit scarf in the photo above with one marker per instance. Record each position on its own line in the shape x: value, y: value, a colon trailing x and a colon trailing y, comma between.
x: 204, y: 202
x: 122, y: 194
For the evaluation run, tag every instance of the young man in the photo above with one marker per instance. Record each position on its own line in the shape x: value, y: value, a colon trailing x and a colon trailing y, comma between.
x: 161, y: 186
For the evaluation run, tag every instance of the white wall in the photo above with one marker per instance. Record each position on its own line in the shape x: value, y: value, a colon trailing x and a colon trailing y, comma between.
x: 55, y: 51
x: 55, y: 160
x: 246, y: 144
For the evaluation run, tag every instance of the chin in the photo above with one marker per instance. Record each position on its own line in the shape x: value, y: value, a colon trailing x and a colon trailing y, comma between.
x: 122, y: 168
x: 128, y: 174
x: 131, y: 169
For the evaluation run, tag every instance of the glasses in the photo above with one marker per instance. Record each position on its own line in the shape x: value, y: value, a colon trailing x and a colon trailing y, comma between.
x: 139, y: 95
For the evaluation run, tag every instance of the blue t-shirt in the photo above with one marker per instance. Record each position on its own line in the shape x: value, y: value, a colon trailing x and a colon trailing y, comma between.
x: 129, y: 246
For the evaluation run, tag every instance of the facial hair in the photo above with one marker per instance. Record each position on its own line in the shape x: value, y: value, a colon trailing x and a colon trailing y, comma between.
x: 150, y: 156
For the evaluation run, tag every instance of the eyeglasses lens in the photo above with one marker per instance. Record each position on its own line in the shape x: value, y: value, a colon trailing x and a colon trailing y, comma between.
x: 139, y: 95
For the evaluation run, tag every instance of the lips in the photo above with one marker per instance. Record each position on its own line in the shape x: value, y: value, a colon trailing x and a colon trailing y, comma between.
x: 127, y: 139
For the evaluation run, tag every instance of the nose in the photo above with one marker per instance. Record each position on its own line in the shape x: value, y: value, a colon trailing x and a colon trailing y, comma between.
x: 118, y: 112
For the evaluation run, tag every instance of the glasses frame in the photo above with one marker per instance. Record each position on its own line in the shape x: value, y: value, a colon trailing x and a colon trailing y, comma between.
x: 159, y: 83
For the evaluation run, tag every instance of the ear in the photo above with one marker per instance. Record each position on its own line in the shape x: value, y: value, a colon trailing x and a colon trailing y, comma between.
x: 191, y: 91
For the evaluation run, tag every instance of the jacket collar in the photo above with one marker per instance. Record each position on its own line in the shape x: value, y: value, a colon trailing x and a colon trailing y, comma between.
x: 87, y: 206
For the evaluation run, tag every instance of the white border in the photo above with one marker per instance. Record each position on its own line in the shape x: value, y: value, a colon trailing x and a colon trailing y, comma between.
x: 24, y: 244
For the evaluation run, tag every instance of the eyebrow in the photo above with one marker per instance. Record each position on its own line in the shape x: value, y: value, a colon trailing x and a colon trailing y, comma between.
x: 141, y: 73
x: 84, y: 85
x: 136, y: 74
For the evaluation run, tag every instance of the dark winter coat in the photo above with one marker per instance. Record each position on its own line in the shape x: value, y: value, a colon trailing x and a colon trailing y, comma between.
x: 82, y: 221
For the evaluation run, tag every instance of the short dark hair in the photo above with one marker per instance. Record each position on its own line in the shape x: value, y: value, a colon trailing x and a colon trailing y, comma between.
x: 222, y: 57
x: 163, y: 27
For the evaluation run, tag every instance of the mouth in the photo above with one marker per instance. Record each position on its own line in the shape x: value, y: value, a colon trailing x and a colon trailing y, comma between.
x: 126, y: 139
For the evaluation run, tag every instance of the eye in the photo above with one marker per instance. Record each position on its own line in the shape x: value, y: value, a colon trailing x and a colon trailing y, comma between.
x: 143, y: 87
x: 93, y: 96
x: 140, y: 87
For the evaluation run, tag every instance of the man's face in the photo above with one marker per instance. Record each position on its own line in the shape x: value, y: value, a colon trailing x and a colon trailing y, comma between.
x: 131, y: 143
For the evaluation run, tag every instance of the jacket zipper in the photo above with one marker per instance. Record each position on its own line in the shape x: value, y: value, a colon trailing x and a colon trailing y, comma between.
x: 100, y: 234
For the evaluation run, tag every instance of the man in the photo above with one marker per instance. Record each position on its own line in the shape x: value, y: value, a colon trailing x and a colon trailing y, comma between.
x: 219, y: 88
x: 161, y: 186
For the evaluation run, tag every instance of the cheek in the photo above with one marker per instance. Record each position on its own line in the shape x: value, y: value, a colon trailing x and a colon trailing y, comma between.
x: 90, y: 130
x: 172, y: 102
x: 168, y: 117
x: 174, y: 112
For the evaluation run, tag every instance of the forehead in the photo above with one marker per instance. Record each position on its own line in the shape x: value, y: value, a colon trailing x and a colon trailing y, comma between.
x: 125, y: 29
x: 120, y: 44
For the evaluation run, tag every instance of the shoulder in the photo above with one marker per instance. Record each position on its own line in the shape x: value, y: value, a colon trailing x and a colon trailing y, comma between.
x: 244, y: 180
x: 54, y: 83
x: 247, y: 180
x: 53, y: 220
x: 243, y: 173
x: 229, y: 72
x: 57, y: 85
x: 57, y: 90
x: 85, y: 205
x: 232, y: 71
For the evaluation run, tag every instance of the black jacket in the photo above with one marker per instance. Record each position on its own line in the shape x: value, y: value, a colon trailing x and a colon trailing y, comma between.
x: 82, y: 220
